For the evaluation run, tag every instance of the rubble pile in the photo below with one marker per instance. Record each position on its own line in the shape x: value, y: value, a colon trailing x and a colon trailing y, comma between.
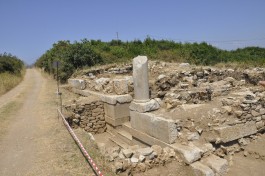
x: 136, y: 159
x: 116, y: 86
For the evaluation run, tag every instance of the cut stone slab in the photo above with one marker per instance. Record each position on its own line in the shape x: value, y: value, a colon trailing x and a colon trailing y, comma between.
x: 219, y: 165
x: 117, y: 111
x: 201, y: 170
x: 230, y: 133
x: 188, y: 153
x: 77, y: 83
x: 145, y: 151
x: 114, y: 99
x: 117, y: 121
x: 145, y: 107
x: 157, y: 127
x: 120, y: 86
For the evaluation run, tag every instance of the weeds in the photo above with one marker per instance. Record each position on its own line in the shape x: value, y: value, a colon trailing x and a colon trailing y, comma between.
x: 9, y: 81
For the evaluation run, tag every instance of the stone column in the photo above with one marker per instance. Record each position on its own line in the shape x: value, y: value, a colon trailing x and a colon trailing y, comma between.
x: 140, y: 79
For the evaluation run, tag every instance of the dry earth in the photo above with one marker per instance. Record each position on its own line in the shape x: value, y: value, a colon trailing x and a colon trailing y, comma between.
x: 32, y: 139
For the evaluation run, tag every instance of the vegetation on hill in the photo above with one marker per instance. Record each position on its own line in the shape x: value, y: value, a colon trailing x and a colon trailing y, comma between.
x: 11, y: 72
x: 92, y: 52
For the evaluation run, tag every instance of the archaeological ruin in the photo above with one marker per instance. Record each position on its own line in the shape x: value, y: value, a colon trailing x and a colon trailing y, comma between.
x: 155, y: 112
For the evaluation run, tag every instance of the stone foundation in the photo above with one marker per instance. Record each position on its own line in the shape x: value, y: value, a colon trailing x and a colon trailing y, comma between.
x: 88, y: 115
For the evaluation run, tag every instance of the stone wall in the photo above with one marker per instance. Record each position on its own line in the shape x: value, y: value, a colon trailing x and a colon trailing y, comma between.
x: 87, y: 114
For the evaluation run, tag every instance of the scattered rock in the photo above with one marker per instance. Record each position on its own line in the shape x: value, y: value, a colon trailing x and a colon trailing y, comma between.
x: 134, y: 160
x: 145, y: 151
x: 127, y: 153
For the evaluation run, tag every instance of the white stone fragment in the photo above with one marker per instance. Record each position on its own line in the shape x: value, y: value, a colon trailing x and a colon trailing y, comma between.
x: 145, y: 107
x: 201, y: 169
x: 77, y: 83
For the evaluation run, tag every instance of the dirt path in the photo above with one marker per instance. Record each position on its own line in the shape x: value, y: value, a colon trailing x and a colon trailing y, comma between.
x: 33, y: 141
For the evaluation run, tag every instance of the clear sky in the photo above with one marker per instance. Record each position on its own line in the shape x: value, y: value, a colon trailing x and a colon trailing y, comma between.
x: 29, y: 27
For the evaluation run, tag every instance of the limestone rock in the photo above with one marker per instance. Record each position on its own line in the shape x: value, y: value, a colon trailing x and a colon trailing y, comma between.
x: 77, y: 83
x: 201, y: 169
x: 189, y: 154
x: 127, y: 153
x: 184, y: 64
x: 193, y: 136
x: 158, y: 149
x: 145, y: 107
x: 134, y: 159
x: 145, y: 151
x: 141, y: 158
x: 260, y: 125
x: 120, y: 86
x: 219, y: 165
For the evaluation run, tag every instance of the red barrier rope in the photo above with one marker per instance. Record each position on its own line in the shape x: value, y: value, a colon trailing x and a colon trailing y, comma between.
x: 83, y: 150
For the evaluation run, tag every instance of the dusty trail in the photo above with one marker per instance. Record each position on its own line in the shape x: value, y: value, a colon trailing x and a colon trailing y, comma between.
x: 35, y: 142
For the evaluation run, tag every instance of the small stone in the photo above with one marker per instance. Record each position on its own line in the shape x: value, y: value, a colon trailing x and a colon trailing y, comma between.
x: 260, y: 125
x: 262, y: 111
x: 141, y: 158
x: 199, y: 130
x: 184, y: 64
x: 157, y: 149
x: 153, y: 156
x: 228, y: 109
x: 134, y: 160
x: 254, y: 113
x: 246, y: 153
x: 141, y: 167
x: 161, y: 77
x: 127, y: 153
x: 258, y: 118
x: 145, y: 151
x: 238, y: 113
x: 242, y: 142
x: 169, y: 106
x: 193, y: 136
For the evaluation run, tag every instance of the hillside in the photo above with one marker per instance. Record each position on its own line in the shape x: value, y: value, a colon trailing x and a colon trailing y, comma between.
x: 87, y: 53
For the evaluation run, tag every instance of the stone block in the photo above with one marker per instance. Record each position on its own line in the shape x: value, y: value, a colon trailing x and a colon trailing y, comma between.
x: 230, y: 133
x: 77, y: 83
x: 120, y: 86
x: 201, y: 170
x: 117, y: 121
x: 117, y: 111
x: 157, y: 127
x: 113, y: 99
x: 219, y: 165
x: 145, y: 151
x: 145, y: 107
x: 188, y: 153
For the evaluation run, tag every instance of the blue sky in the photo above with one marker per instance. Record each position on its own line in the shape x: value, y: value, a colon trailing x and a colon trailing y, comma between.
x: 30, y: 27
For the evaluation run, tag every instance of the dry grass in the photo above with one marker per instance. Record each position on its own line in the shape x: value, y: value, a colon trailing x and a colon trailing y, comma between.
x: 9, y: 81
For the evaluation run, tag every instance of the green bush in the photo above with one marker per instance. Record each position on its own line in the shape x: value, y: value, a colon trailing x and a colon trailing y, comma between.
x: 10, y: 64
x: 89, y: 53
